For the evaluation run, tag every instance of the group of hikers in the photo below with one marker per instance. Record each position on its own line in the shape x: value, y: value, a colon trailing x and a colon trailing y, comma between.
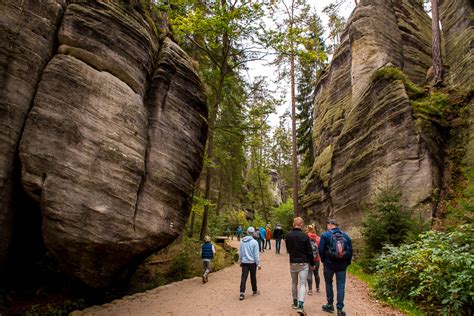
x: 263, y: 236
x: 306, y: 251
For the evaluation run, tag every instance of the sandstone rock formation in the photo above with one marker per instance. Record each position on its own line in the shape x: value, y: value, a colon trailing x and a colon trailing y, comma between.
x: 365, y: 136
x: 275, y: 188
x: 457, y: 19
x: 114, y: 129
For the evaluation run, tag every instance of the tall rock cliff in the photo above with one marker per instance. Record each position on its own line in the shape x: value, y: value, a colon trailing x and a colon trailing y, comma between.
x: 457, y: 19
x: 365, y: 136
x: 106, y: 118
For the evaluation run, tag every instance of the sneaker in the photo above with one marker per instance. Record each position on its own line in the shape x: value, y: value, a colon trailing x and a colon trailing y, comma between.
x: 257, y: 292
x: 328, y: 308
x: 301, y: 311
x: 295, y: 304
x: 310, y: 292
x: 340, y: 312
x: 242, y: 296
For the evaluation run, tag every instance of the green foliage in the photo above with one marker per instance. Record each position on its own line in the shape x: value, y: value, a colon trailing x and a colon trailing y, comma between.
x: 387, y: 222
x: 433, y: 108
x: 461, y: 211
x: 405, y: 306
x: 62, y: 308
x: 393, y: 73
x: 437, y: 271
x: 283, y: 215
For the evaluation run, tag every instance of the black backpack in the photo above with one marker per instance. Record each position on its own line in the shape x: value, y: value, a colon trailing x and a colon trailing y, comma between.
x: 338, y: 249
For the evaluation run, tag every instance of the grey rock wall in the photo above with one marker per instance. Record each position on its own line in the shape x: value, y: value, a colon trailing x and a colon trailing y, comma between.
x: 364, y: 135
x: 28, y: 37
x: 113, y: 141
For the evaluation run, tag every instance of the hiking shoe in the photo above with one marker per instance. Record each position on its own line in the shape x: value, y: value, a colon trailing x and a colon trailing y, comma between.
x: 301, y: 311
x: 242, y: 296
x: 328, y: 308
x: 257, y: 292
x: 295, y: 304
x: 340, y: 312
x: 310, y: 292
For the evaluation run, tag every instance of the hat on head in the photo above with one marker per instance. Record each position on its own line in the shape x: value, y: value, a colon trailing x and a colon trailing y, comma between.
x: 332, y: 221
x: 250, y: 230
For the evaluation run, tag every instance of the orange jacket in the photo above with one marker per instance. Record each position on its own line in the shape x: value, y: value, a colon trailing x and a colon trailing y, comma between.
x: 268, y: 234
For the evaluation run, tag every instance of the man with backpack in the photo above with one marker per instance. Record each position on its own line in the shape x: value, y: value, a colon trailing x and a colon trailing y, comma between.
x: 335, y: 252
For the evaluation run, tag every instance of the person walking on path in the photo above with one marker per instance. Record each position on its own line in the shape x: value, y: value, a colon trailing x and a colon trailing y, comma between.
x: 336, y: 254
x: 263, y: 234
x: 298, y: 246
x: 249, y: 259
x: 207, y: 253
x: 278, y: 235
x: 315, y: 241
x: 256, y: 235
x: 268, y: 237
x: 238, y: 232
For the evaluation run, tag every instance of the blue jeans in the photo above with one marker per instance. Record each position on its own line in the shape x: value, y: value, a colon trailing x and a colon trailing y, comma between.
x: 316, y: 277
x: 340, y: 286
x: 269, y: 244
x: 277, y: 245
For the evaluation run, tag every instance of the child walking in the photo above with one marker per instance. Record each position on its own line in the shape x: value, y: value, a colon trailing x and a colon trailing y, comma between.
x: 207, y: 253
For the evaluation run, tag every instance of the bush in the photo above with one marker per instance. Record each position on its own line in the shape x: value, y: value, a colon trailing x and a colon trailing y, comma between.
x: 387, y: 222
x: 436, y: 272
x: 283, y: 215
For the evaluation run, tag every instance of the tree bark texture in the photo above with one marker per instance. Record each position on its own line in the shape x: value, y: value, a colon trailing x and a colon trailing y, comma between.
x: 436, y: 43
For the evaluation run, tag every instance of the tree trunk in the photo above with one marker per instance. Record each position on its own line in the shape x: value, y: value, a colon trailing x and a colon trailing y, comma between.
x: 207, y: 190
x: 294, y: 161
x: 436, y: 43
x: 220, y: 193
x: 224, y: 69
x: 191, y: 225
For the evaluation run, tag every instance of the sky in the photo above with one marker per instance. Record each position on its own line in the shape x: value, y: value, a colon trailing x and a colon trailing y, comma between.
x: 261, y: 68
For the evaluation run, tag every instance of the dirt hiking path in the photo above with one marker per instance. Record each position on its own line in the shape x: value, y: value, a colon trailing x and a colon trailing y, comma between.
x: 220, y: 296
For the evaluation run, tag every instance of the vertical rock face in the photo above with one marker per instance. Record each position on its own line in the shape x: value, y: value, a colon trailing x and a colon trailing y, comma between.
x: 364, y: 134
x: 28, y: 37
x: 113, y: 142
x: 275, y: 188
x: 457, y: 19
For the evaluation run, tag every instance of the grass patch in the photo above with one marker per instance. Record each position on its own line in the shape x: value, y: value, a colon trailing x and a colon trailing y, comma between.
x: 371, y: 279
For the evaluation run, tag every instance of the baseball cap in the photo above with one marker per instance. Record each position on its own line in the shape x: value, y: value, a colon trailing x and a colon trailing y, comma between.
x: 332, y: 221
x: 250, y: 230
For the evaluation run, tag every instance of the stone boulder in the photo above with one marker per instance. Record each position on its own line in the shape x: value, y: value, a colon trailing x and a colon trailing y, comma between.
x: 113, y: 142
x: 28, y: 32
x: 364, y: 135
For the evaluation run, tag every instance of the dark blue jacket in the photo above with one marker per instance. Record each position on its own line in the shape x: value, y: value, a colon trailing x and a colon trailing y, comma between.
x: 207, y: 251
x: 324, y: 247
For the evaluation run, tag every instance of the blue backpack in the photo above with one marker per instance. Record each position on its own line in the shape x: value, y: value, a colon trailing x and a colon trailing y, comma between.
x: 338, y: 247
